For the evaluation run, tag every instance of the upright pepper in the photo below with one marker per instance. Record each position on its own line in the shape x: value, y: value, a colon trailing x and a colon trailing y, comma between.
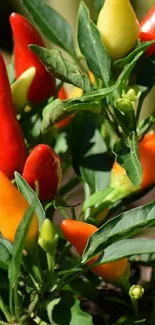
x: 147, y: 30
x: 12, y: 147
x: 43, y: 165
x: 118, y: 26
x: 12, y: 209
x: 147, y: 159
x: 24, y: 34
x: 77, y: 233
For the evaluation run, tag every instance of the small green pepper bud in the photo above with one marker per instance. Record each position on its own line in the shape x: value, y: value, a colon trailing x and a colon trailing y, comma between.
x: 21, y: 87
x: 48, y: 237
x: 136, y: 292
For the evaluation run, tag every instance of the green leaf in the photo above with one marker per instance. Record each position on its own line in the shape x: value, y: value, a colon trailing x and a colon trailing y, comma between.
x: 79, y: 316
x: 58, y: 109
x: 127, y: 155
x: 51, y: 23
x: 91, y: 46
x: 5, y: 253
x: 67, y: 311
x: 50, y: 308
x: 52, y: 113
x: 19, y: 244
x: 126, y: 248
x: 98, y: 198
x: 30, y: 196
x: 142, y: 47
x: 91, y: 107
x: 124, y: 75
x: 95, y: 95
x: 61, y: 68
x: 126, y: 225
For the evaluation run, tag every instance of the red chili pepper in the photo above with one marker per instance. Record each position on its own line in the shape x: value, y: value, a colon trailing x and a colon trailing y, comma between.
x: 77, y: 233
x: 43, y: 165
x: 62, y: 94
x: 24, y: 34
x: 147, y: 30
x: 12, y: 147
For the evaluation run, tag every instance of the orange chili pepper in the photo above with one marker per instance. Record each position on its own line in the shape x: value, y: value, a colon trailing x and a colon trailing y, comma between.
x: 12, y: 209
x: 147, y: 159
x: 77, y: 233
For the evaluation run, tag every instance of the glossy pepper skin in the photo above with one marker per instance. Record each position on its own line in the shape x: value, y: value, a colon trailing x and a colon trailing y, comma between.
x: 147, y: 30
x: 147, y: 159
x: 12, y: 209
x: 118, y: 27
x: 12, y: 147
x: 43, y: 165
x: 24, y: 34
x: 77, y: 233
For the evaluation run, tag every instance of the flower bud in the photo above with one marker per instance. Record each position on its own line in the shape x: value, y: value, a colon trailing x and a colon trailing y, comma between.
x: 124, y: 105
x: 136, y: 292
x: 48, y: 237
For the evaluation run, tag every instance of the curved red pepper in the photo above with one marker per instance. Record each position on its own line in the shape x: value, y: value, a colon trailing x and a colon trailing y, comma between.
x: 24, y: 34
x: 43, y: 165
x: 12, y: 147
x: 147, y: 30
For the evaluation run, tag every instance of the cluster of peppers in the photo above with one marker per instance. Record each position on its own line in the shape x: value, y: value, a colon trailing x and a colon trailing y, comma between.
x: 43, y: 164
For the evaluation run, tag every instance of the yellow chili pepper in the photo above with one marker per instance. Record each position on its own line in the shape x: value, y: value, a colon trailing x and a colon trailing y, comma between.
x: 118, y: 26
x: 12, y: 209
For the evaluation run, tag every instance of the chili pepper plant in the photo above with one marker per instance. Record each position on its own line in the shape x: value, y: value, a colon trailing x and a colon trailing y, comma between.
x: 76, y: 167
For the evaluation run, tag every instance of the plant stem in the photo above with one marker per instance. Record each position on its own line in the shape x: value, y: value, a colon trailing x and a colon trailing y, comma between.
x: 16, y: 302
x: 5, y: 311
x: 50, y: 263
x: 11, y: 300
x: 135, y: 307
x: 33, y: 304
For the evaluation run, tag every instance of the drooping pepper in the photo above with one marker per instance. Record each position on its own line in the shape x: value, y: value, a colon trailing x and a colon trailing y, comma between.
x: 77, y: 233
x: 43, y: 165
x: 24, y: 34
x: 147, y: 30
x: 12, y: 147
x: 12, y: 209
x: 118, y: 26
x: 147, y: 159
